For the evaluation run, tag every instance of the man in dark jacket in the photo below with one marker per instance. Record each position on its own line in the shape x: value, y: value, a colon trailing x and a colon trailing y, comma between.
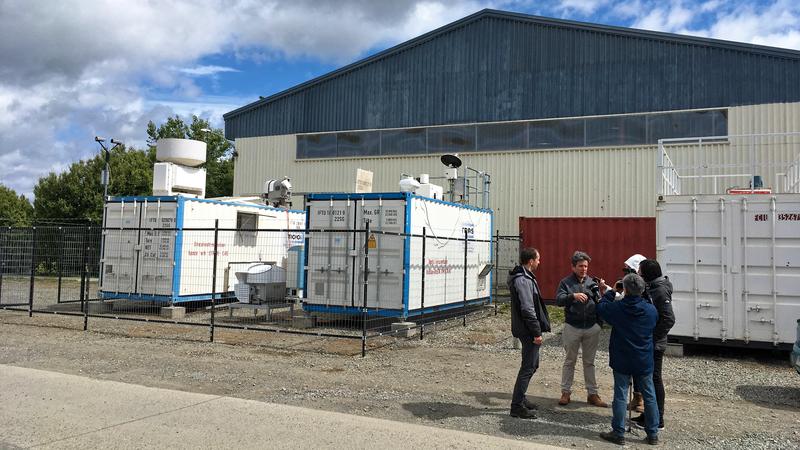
x: 529, y: 320
x: 658, y: 291
x: 631, y: 354
x: 578, y: 293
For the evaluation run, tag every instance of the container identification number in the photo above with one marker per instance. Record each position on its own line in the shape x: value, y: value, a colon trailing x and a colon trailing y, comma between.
x: 786, y: 217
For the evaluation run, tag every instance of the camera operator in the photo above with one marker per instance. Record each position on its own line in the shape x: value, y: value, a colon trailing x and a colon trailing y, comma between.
x: 578, y: 294
x: 631, y: 354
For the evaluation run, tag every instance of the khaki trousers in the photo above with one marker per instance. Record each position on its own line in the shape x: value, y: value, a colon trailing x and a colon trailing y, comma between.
x: 586, y: 341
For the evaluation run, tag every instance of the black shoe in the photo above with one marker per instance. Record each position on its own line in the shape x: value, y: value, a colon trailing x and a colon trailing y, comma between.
x: 530, y: 405
x: 613, y: 438
x: 651, y: 440
x: 522, y: 412
x: 639, y: 422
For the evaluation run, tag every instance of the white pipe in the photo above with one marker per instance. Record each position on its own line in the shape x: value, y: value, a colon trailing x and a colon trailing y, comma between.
x: 773, y: 209
x: 694, y: 264
x: 660, y: 177
x: 158, y: 246
x: 119, y: 240
x: 141, y: 258
x: 745, y: 290
x: 722, y: 268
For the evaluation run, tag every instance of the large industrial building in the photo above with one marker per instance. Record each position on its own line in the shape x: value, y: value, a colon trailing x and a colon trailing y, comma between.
x: 565, y: 116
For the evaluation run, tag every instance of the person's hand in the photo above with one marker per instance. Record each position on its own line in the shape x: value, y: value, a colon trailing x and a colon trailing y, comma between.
x: 581, y: 297
x: 537, y: 340
x: 603, y: 285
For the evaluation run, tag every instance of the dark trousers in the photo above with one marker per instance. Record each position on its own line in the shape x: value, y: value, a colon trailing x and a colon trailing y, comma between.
x: 530, y: 362
x: 658, y: 383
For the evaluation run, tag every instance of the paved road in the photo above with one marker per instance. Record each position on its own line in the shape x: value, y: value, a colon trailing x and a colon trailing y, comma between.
x: 54, y: 410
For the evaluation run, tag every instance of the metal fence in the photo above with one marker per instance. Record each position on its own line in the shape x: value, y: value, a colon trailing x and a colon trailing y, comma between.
x: 368, y: 286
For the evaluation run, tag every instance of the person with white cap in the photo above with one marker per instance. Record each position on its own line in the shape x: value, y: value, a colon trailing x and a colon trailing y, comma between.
x: 631, y: 265
x: 658, y: 291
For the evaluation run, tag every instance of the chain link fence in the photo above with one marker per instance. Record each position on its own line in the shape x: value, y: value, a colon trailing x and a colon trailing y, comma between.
x: 368, y: 287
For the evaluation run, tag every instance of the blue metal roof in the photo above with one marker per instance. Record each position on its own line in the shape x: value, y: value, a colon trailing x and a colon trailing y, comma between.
x: 499, y: 66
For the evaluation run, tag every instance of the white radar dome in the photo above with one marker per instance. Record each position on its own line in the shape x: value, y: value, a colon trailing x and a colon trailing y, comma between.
x: 186, y: 152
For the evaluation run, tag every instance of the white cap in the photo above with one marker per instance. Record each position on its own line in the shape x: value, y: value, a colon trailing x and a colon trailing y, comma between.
x: 634, y: 261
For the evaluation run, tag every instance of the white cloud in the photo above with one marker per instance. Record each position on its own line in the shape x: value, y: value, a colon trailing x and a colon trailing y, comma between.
x: 201, y: 71
x: 584, y: 7
x: 670, y: 16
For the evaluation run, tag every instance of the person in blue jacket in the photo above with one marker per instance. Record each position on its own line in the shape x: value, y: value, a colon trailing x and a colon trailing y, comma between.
x: 631, y: 354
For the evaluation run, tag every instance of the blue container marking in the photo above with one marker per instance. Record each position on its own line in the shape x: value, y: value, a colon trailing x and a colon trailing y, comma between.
x: 178, y: 249
x: 407, y: 257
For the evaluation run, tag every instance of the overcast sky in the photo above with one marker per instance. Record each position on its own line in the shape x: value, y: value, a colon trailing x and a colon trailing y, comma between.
x: 70, y: 69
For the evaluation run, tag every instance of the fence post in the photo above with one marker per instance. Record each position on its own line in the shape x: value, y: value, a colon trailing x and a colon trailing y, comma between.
x: 466, y: 235
x: 85, y: 279
x: 366, y: 281
x: 422, y: 295
x: 2, y: 261
x: 84, y: 244
x: 33, y: 272
x: 214, y: 280
x: 496, y: 269
x: 60, y: 264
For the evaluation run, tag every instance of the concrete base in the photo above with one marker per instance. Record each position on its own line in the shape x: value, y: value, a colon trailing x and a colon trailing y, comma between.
x: 674, y: 350
x: 173, y: 312
x: 100, y: 307
x: 404, y: 329
x: 301, y: 321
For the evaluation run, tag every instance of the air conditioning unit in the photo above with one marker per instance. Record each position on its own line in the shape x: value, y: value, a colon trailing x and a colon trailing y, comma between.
x: 173, y: 179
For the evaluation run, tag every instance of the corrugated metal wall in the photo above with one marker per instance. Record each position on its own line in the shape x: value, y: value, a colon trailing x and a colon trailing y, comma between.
x: 608, y: 241
x: 499, y: 67
x: 600, y: 182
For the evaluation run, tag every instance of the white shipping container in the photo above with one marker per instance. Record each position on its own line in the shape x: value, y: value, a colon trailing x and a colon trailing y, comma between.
x: 335, y: 260
x: 734, y: 262
x: 151, y: 253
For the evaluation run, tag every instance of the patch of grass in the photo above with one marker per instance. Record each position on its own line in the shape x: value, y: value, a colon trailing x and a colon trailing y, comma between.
x: 556, y: 314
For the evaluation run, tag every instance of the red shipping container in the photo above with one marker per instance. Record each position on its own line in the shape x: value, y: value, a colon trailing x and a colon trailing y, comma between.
x: 609, y: 241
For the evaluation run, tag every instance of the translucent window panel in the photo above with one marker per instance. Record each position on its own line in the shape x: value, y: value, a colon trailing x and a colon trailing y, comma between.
x: 410, y: 141
x: 503, y: 136
x: 246, y: 223
x: 621, y: 130
x: 720, y: 122
x: 680, y: 125
x: 364, y: 143
x: 317, y: 145
x: 301, y: 147
x: 451, y: 139
x: 556, y: 134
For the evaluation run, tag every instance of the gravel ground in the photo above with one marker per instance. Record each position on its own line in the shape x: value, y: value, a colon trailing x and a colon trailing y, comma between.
x: 455, y: 378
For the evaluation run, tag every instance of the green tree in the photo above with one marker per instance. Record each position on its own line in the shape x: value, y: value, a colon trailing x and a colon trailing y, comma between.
x: 219, y: 161
x: 15, y: 210
x: 77, y: 193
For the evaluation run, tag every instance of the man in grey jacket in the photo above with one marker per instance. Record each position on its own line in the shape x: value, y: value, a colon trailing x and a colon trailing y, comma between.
x: 578, y: 293
x: 529, y: 320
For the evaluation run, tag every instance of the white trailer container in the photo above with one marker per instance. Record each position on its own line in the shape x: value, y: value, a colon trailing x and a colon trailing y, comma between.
x: 734, y: 262
x: 335, y: 260
x: 152, y: 250
x: 733, y: 257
